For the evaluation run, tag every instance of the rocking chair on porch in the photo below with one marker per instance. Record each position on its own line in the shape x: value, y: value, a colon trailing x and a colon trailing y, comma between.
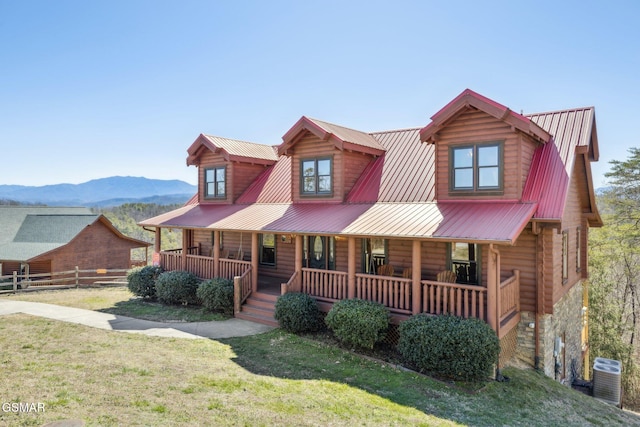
x: 385, y: 270
x: 447, y: 276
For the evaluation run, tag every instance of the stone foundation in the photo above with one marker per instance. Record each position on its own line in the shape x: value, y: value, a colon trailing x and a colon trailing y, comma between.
x: 566, y: 324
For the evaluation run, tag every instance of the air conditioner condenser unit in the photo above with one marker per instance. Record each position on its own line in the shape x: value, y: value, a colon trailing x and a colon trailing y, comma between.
x: 607, y: 376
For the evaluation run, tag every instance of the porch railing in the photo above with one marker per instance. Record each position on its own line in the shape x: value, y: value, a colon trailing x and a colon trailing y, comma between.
x: 325, y: 285
x: 171, y: 261
x: 201, y: 266
x: 242, y: 287
x: 510, y: 296
x: 192, y: 250
x: 292, y: 285
x: 393, y: 292
x: 230, y: 268
x: 453, y: 298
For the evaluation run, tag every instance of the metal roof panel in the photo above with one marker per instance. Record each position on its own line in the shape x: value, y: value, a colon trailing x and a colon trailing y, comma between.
x: 495, y: 221
x: 273, y: 185
x: 552, y: 164
x: 405, y: 173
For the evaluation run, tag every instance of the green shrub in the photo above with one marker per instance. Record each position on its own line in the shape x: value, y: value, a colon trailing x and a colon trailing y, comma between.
x: 142, y: 280
x: 358, y: 322
x: 450, y: 346
x: 217, y: 295
x: 298, y: 312
x: 177, y: 287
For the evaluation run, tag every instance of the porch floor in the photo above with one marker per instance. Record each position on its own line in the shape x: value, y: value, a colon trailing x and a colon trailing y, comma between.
x: 270, y: 285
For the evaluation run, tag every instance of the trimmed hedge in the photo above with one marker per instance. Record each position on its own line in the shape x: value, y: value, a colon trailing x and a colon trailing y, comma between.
x: 216, y: 295
x: 358, y: 322
x: 298, y: 312
x: 177, y: 287
x: 142, y: 280
x: 450, y: 346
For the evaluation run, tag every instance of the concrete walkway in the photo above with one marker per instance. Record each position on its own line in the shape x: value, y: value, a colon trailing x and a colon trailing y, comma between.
x: 224, y: 329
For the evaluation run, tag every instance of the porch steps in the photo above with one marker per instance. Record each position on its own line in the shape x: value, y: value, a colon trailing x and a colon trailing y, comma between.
x: 259, y: 307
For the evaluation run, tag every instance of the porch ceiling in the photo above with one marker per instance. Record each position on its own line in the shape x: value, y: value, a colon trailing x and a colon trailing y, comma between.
x: 485, y: 222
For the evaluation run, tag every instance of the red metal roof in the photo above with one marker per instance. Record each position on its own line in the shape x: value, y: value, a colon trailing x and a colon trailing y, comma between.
x: 551, y: 166
x: 341, y: 136
x: 271, y: 186
x: 232, y: 150
x: 405, y: 173
x: 395, y: 195
x: 193, y: 200
x: 495, y: 222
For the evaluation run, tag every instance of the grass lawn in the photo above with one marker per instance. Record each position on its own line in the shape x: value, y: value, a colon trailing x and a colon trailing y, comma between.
x: 118, y: 300
x: 114, y: 378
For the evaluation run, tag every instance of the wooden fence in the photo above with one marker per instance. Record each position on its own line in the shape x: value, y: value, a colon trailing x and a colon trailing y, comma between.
x: 71, y: 278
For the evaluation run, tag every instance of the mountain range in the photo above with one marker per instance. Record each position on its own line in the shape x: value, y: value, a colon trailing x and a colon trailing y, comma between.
x: 103, y: 192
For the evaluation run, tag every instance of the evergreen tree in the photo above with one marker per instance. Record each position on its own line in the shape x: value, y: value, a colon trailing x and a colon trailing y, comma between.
x: 614, y: 261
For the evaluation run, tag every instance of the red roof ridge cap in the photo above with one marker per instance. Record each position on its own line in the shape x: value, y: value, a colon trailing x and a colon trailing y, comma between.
x: 395, y: 130
x: 566, y: 110
x: 207, y: 135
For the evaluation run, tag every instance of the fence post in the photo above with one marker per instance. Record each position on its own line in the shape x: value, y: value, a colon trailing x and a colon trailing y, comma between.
x: 237, y: 289
x: 77, y: 274
x: 15, y: 281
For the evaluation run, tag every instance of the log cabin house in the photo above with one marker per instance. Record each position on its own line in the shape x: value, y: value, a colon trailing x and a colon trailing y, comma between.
x: 39, y: 240
x: 483, y: 212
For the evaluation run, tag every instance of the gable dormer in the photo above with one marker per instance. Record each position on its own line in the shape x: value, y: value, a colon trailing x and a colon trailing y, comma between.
x: 226, y: 167
x: 326, y: 159
x: 483, y: 149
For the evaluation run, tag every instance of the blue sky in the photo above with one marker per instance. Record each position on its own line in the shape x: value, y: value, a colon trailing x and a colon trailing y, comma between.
x: 90, y: 89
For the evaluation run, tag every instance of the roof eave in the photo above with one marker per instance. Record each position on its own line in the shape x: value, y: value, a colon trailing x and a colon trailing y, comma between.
x: 251, y: 160
x: 594, y: 218
x: 362, y: 149
x: 302, y: 126
x: 195, y: 149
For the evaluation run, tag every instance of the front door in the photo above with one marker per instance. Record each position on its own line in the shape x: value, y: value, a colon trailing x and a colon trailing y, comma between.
x: 317, y: 252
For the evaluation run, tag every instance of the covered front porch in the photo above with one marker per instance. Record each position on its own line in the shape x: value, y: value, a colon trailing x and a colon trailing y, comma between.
x: 408, y: 276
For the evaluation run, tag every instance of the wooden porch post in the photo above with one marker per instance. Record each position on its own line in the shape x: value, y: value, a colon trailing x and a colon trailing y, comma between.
x: 298, y: 263
x: 298, y: 256
x: 351, y: 267
x: 185, y: 247
x: 216, y: 253
x: 157, y: 244
x: 416, y: 277
x: 254, y: 262
x: 493, y: 273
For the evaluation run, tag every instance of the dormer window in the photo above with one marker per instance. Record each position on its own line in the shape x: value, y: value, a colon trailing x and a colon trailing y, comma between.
x: 316, y: 176
x: 476, y: 167
x: 215, y: 182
